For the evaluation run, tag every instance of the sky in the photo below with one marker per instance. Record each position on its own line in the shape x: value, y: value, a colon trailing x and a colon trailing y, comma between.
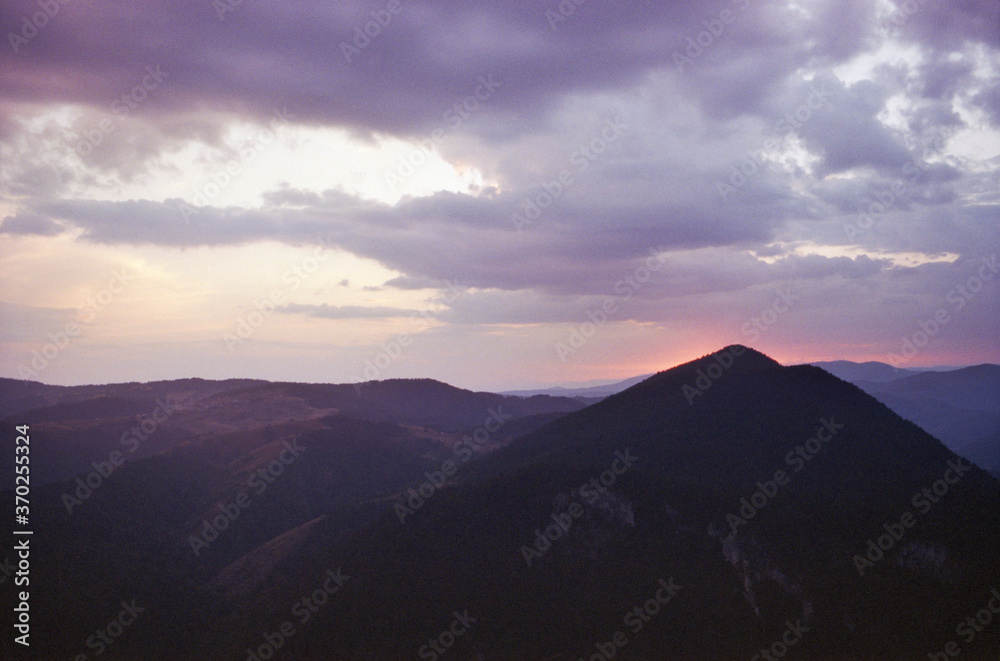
x: 494, y: 194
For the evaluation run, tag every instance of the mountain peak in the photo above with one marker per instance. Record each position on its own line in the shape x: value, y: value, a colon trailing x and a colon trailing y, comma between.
x: 738, y: 356
x: 733, y: 357
x: 752, y: 354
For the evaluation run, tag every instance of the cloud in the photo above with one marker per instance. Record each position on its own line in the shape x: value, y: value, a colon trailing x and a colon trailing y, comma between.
x: 325, y: 311
x: 946, y: 26
x: 847, y: 132
x: 30, y: 223
x: 811, y: 112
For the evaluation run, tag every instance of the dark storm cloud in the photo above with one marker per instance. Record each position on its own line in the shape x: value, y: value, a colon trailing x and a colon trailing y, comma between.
x: 261, y: 55
x: 429, y: 55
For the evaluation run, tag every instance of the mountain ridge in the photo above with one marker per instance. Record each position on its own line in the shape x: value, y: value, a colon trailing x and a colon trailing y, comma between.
x: 760, y: 498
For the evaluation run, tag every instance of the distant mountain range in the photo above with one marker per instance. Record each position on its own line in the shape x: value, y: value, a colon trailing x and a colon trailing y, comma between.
x: 83, y: 423
x: 718, y: 509
x: 874, y: 371
x: 589, y: 392
x: 959, y: 406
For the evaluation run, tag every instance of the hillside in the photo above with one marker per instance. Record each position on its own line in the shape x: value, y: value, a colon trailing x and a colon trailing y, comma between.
x: 672, y: 471
x: 961, y: 407
x: 704, y: 513
x: 81, y: 425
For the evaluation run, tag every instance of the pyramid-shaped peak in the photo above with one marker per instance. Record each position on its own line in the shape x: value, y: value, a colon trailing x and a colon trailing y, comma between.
x: 734, y: 357
x: 737, y: 356
x: 750, y: 357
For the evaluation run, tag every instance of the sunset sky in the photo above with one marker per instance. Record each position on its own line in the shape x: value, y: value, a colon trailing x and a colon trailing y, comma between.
x: 493, y: 194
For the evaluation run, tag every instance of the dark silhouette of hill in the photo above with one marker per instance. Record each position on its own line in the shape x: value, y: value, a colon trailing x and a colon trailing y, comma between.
x: 237, y: 493
x: 670, y: 514
x: 666, y: 516
x: 985, y: 452
x: 961, y: 407
x: 18, y: 397
x: 728, y: 499
x: 81, y: 425
x: 102, y: 406
x: 741, y: 425
x: 423, y: 401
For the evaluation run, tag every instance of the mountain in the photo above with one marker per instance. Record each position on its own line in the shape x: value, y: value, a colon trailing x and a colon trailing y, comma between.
x: 961, y: 407
x: 223, y: 472
x: 588, y: 392
x: 84, y: 425
x: 872, y: 371
x: 18, y: 397
x: 557, y: 537
x: 985, y: 452
x: 717, y: 509
x: 974, y: 388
